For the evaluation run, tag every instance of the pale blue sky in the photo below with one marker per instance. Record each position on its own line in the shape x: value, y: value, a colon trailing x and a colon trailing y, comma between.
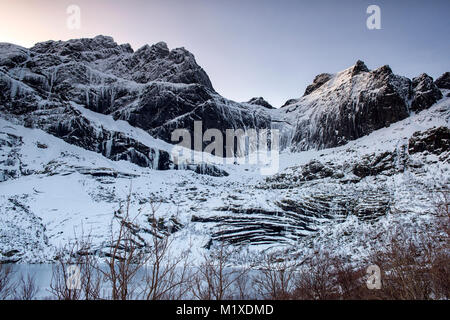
x: 254, y: 47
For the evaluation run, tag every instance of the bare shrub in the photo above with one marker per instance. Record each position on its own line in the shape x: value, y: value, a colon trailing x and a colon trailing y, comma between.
x: 414, y: 269
x: 125, y: 257
x: 314, y: 281
x: 217, y: 278
x: 440, y: 275
x: 27, y: 288
x: 417, y: 266
x: 403, y: 276
x: 78, y: 255
x: 275, y: 278
x: 348, y: 280
x: 132, y: 268
x: 165, y: 276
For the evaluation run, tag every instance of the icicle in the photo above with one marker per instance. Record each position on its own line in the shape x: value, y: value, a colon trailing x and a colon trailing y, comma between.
x: 14, y: 89
x: 52, y: 80
x: 108, y: 148
x: 87, y: 97
x: 155, y: 160
x: 113, y: 93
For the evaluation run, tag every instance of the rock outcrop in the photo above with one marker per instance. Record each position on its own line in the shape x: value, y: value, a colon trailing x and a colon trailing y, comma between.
x: 347, y: 106
x: 259, y: 101
x: 443, y: 82
x: 317, y: 83
x: 426, y: 93
x: 435, y: 141
x: 154, y: 88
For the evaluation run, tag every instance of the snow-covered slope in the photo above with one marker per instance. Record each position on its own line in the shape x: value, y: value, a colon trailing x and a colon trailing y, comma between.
x: 85, y: 122
x: 55, y: 191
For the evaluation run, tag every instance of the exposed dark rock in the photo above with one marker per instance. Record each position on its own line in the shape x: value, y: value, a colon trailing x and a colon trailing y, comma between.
x: 149, y: 63
x: 11, y: 253
x: 434, y: 140
x: 359, y: 67
x: 296, y: 218
x: 153, y: 88
x: 205, y: 169
x: 317, y: 83
x: 289, y: 102
x: 316, y: 170
x: 210, y: 170
x: 426, y: 93
x: 10, y: 164
x: 260, y: 102
x: 375, y: 164
x: 169, y: 227
x: 443, y: 82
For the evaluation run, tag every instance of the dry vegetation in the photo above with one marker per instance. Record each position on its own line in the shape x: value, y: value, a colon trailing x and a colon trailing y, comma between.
x: 412, y: 268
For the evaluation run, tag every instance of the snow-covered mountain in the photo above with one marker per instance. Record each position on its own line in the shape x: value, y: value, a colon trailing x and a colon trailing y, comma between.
x: 85, y: 121
x: 348, y: 105
x: 154, y: 89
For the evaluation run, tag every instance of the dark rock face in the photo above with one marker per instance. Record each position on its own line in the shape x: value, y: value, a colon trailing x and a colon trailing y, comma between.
x: 154, y: 88
x: 158, y: 104
x: 317, y: 83
x: 72, y: 127
x: 316, y: 170
x: 375, y: 164
x: 356, y: 103
x: 207, y: 169
x: 426, y: 93
x: 10, y: 163
x: 260, y: 102
x: 435, y: 141
x: 149, y: 63
x: 359, y: 67
x: 289, y: 102
x: 443, y: 82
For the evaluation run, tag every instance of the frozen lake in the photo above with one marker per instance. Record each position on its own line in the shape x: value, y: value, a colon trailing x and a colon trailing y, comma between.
x: 42, y: 275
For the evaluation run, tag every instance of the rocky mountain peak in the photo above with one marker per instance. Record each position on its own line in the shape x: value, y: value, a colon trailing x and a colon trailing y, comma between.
x: 353, y: 103
x: 159, y: 50
x: 422, y: 82
x: 77, y: 46
x: 259, y: 101
x: 149, y: 63
x: 443, y: 81
x: 159, y: 89
x: 359, y: 67
x: 426, y: 93
x: 158, y: 62
x: 318, y: 81
x: 382, y: 71
x: 289, y: 102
